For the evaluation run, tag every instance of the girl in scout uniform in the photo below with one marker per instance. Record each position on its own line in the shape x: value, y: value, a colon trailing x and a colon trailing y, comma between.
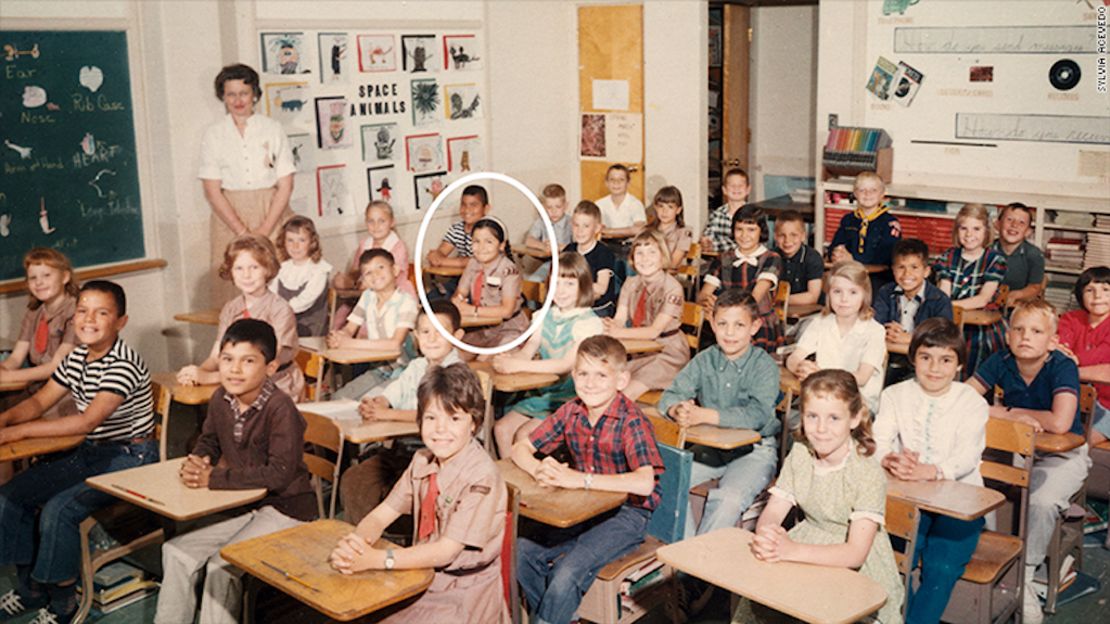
x: 458, y: 499
x: 650, y: 308
x: 490, y: 286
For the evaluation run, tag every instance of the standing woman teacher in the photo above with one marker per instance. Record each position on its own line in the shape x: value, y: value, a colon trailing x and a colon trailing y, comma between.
x: 247, y: 168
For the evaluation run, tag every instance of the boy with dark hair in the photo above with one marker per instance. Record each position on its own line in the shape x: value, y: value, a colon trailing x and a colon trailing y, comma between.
x: 613, y: 449
x: 910, y: 298
x: 252, y: 437
x: 111, y: 386
x: 472, y: 207
x: 1040, y: 387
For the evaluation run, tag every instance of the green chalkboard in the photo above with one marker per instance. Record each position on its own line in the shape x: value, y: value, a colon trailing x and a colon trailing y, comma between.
x: 68, y: 147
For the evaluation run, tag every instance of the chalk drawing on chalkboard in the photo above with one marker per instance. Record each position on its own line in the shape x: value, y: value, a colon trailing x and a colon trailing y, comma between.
x: 287, y: 103
x: 88, y: 144
x: 285, y: 53
x: 24, y: 152
x: 95, y: 183
x: 44, y: 218
x: 33, y: 96
x: 1036, y: 128
x: 11, y: 52
x: 90, y: 77
x: 5, y: 223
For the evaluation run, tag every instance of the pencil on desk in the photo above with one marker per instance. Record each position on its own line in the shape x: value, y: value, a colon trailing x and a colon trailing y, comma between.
x: 289, y: 576
x: 140, y: 495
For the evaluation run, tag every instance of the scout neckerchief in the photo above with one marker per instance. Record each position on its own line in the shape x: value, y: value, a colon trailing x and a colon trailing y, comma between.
x: 428, y: 509
x: 864, y: 221
x: 639, y: 315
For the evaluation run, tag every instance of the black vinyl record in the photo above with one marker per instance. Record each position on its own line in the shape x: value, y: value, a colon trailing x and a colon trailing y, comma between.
x: 1064, y: 74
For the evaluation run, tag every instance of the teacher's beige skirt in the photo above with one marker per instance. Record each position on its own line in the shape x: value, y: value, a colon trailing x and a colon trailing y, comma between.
x: 251, y: 206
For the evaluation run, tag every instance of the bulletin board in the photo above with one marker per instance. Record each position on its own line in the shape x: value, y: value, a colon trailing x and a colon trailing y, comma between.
x: 610, y: 95
x: 996, y: 95
x: 374, y: 114
x: 69, y: 178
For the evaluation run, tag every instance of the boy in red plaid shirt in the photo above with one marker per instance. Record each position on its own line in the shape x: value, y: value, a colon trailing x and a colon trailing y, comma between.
x: 613, y: 448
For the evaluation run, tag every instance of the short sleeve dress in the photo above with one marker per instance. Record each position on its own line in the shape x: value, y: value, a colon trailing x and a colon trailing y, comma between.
x: 732, y: 271
x: 658, y: 370
x: 831, y: 498
x: 561, y: 330
x: 275, y: 311
x: 968, y: 278
x: 499, y: 278
x: 59, y: 331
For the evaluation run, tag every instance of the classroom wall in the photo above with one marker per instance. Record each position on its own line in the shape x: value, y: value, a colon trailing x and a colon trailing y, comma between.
x: 531, y: 121
x: 783, y: 92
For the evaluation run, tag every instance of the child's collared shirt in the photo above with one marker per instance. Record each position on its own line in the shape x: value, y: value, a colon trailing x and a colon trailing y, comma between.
x: 948, y: 431
x: 803, y: 266
x: 460, y: 239
x: 719, y: 229
x: 890, y: 305
x: 865, y: 343
x: 1023, y: 267
x: 276, y: 311
x: 401, y: 392
x: 44, y: 332
x: 679, y: 237
x: 120, y: 371
x: 743, y: 391
x: 262, y: 446
x: 630, y: 211
x: 255, y: 159
x: 380, y: 323
x: 563, y: 236
x: 601, y: 258
x: 396, y: 247
x: 621, y: 442
x: 1059, y: 374
x: 879, y: 236
x: 1090, y: 344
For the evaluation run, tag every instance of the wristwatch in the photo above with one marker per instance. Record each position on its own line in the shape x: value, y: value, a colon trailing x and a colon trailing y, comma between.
x: 389, y: 560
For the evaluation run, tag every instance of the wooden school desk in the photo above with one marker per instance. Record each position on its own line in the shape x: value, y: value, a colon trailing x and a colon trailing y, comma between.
x: 158, y: 488
x: 713, y: 436
x: 541, y: 254
x: 295, y: 561
x: 470, y: 321
x: 641, y: 346
x: 356, y: 430
x: 186, y: 395
x: 12, y: 386
x: 557, y: 507
x: 962, y: 501
x: 33, y: 447
x: 443, y: 271
x: 812, y: 593
x: 800, y: 311
x: 1046, y: 442
x: 898, y: 348
x: 788, y: 383
x: 200, y: 317
x: 345, y: 356
x: 514, y: 382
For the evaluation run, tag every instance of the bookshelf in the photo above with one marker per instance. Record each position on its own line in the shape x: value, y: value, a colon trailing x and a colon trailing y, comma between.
x: 850, y: 151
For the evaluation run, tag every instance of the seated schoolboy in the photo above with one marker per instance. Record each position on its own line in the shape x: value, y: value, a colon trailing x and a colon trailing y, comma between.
x: 802, y: 266
x: 458, y: 500
x: 381, y: 320
x: 363, y: 485
x: 621, y: 212
x: 910, y: 299
x: 253, y: 437
x: 868, y: 233
x: 473, y: 206
x: 730, y: 385
x: 1024, y: 260
x: 1040, y: 387
x: 41, y: 509
x: 606, y: 269
x: 932, y: 428
x: 718, y: 236
x: 554, y: 198
x: 613, y: 449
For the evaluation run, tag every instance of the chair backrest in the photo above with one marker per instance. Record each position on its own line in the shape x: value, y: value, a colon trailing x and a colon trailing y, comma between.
x: 508, y: 555
x: 668, y: 521
x: 901, y: 520
x: 312, y: 365
x: 692, y: 315
x: 691, y: 264
x: 958, y: 316
x: 163, y: 398
x: 486, y: 380
x: 323, y: 432
x: 1087, y: 397
x: 999, y: 299
x: 667, y: 431
x: 1007, y: 466
x: 782, y: 293
x: 533, y: 291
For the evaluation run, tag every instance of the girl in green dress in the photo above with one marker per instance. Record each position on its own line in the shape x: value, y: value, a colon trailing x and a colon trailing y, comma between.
x: 569, y: 321
x: 841, y: 488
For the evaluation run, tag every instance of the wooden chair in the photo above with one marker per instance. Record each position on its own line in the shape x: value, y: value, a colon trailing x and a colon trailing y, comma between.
x: 130, y: 527
x: 603, y: 603
x: 958, y: 316
x: 486, y: 380
x: 782, y: 299
x: 535, y: 292
x: 997, y: 568
x: 312, y: 365
x: 321, y: 432
x: 996, y: 309
x: 901, y: 520
x: 508, y: 555
x: 1067, y: 535
x: 691, y: 322
x: 689, y: 272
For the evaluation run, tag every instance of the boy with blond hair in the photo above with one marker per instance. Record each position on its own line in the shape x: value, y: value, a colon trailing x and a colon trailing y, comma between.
x: 1040, y: 387
x: 612, y: 447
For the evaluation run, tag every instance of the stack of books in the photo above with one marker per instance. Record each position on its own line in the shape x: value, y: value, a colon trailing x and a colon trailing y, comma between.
x: 1065, y: 250
x: 1067, y: 577
x: 119, y: 584
x: 1098, y: 249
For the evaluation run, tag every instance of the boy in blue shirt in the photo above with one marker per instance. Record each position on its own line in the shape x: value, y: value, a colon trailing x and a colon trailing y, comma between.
x: 903, y: 304
x: 869, y: 232
x: 554, y: 198
x: 1040, y: 386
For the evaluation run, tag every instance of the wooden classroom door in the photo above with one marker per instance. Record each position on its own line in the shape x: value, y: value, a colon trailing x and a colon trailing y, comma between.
x: 736, y: 132
x: 610, y: 48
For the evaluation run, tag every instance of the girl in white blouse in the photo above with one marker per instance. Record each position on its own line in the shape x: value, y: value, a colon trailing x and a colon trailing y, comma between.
x: 302, y: 279
x: 246, y: 166
x: 929, y: 428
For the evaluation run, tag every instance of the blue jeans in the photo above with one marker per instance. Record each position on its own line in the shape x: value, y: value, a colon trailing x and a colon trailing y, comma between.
x: 53, y: 494
x: 741, y: 480
x: 944, y: 546
x: 1101, y: 421
x: 554, y: 577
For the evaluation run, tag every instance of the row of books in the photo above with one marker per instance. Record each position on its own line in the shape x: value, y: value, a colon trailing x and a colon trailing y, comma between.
x: 119, y: 584
x: 1077, y: 250
x: 847, y: 139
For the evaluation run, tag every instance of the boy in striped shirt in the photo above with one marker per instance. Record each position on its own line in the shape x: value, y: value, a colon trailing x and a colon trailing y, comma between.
x: 111, y: 385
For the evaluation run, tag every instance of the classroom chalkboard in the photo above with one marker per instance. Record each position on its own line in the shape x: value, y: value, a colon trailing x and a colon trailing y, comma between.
x: 69, y: 177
